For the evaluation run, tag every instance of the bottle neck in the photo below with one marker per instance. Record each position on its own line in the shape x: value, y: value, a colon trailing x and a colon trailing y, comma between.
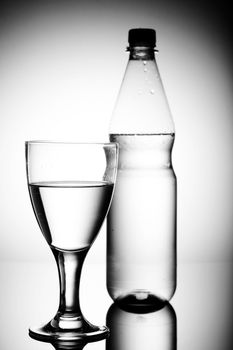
x: 141, y: 53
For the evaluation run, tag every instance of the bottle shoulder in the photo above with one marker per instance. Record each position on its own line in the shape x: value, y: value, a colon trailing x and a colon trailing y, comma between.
x: 141, y: 105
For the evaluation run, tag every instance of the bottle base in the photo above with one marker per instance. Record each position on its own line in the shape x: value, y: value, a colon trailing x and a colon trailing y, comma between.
x: 140, y: 301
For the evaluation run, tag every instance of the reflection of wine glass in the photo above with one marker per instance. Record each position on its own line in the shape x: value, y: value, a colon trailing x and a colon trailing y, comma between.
x: 136, y: 330
x: 68, y: 345
x: 70, y: 186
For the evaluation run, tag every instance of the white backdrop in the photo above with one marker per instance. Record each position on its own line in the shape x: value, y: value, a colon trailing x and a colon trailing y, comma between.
x: 61, y: 66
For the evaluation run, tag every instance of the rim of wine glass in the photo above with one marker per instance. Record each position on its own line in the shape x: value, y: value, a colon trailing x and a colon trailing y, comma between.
x: 113, y: 144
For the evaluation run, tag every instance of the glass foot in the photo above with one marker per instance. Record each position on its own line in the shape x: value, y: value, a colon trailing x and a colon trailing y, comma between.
x: 53, y: 332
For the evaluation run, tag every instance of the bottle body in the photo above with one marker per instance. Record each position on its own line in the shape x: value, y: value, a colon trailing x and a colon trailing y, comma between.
x: 141, y: 223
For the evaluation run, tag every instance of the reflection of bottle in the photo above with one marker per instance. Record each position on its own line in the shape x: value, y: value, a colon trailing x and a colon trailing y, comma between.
x: 154, y: 330
x: 141, y: 228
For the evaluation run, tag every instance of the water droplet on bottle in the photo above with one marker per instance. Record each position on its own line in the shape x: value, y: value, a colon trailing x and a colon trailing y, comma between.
x: 152, y: 91
x: 144, y: 62
x: 145, y: 70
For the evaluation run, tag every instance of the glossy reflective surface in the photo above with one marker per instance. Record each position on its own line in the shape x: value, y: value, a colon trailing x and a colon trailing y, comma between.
x: 200, y: 315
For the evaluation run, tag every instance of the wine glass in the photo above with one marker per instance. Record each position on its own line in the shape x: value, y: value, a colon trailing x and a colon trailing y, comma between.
x: 70, y: 186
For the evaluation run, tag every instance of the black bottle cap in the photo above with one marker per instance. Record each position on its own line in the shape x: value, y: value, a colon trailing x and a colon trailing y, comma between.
x: 142, y: 37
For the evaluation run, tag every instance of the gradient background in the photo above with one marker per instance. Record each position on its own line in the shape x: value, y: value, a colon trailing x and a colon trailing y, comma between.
x: 61, y: 65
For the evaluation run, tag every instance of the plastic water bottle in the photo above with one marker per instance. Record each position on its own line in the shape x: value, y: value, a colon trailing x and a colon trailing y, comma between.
x: 141, y: 224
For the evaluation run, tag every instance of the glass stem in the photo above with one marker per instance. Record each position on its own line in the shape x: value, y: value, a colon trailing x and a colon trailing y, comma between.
x: 69, y: 269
